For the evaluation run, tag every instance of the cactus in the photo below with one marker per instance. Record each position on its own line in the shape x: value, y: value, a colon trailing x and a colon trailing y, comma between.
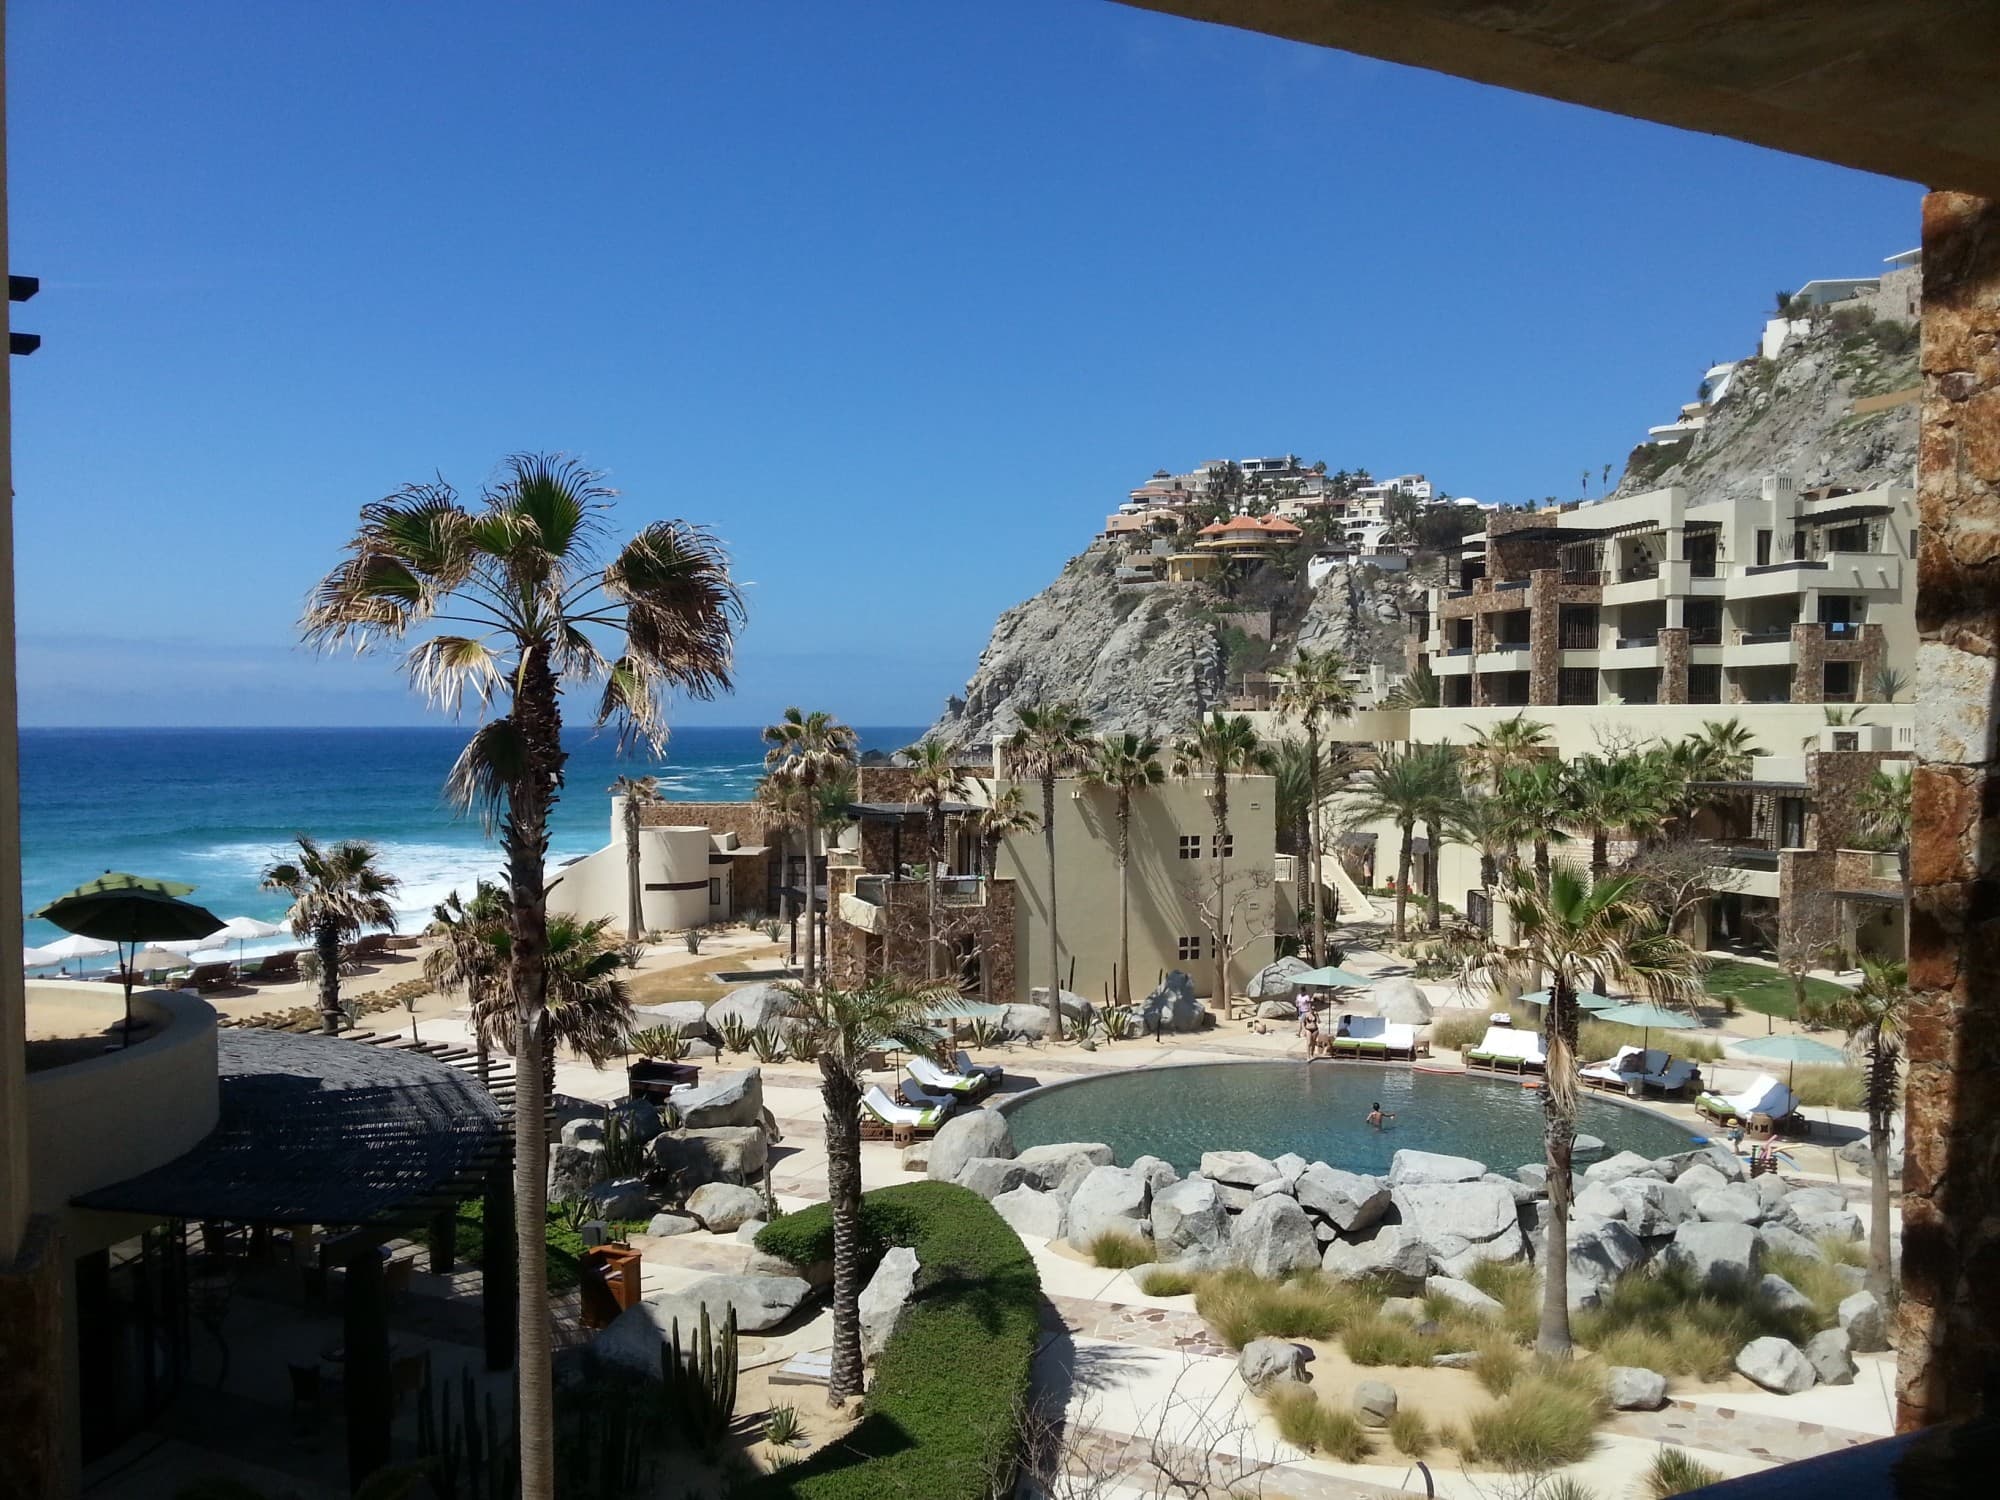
x: 698, y: 1387
x: 466, y: 1458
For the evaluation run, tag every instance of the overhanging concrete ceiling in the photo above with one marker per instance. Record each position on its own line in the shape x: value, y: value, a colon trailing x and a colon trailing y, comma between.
x: 1907, y: 88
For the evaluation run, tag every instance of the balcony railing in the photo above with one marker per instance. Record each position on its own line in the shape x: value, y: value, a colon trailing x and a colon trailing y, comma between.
x: 1701, y: 567
x: 1704, y: 635
x: 1577, y: 638
x: 1765, y: 636
x: 1627, y: 642
x: 1745, y: 857
x: 1458, y: 651
x: 1512, y: 583
x: 1583, y: 575
x: 1843, y: 630
x: 1512, y: 646
x: 1639, y: 573
x: 1779, y: 567
x: 887, y: 890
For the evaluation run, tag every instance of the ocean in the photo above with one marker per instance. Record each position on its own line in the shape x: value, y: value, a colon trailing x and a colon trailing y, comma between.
x: 215, y: 807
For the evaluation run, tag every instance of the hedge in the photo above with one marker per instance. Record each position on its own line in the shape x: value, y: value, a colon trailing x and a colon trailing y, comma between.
x: 942, y: 1419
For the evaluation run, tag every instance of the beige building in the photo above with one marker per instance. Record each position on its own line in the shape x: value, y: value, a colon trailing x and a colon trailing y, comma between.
x: 699, y: 862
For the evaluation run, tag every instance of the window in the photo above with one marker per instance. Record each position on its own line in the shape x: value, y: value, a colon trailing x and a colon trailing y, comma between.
x: 1705, y: 683
x: 1839, y: 681
x: 1576, y: 685
x: 1763, y: 549
x: 715, y: 890
x: 1791, y: 822
x: 1187, y: 948
x: 1190, y: 846
x: 1225, y: 845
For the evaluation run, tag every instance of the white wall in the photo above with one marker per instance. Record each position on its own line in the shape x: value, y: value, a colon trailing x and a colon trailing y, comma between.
x: 595, y: 886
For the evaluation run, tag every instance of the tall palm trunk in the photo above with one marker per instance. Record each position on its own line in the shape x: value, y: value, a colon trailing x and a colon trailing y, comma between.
x: 1559, y: 1087
x: 1403, y: 882
x: 1600, y: 853
x: 326, y: 946
x: 1055, y: 959
x: 635, y: 919
x: 842, y: 1097
x: 1903, y: 870
x: 1124, y: 897
x: 1221, y: 938
x: 1317, y: 886
x: 1881, y: 1108
x: 811, y: 886
x: 1542, y: 866
x: 989, y: 857
x: 934, y: 848
x: 524, y: 837
x: 1435, y: 835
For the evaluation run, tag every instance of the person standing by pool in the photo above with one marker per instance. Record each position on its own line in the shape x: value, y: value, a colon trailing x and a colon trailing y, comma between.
x: 1376, y: 1117
x: 1304, y: 1003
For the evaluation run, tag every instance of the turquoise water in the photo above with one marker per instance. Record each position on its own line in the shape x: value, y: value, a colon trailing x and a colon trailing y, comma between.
x: 215, y: 807
x: 1319, y: 1111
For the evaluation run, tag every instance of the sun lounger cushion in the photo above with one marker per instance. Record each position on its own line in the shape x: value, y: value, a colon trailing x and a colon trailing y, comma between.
x: 937, y: 1081
x: 1765, y: 1096
x: 889, y: 1112
x: 992, y: 1070
x: 1506, y: 1044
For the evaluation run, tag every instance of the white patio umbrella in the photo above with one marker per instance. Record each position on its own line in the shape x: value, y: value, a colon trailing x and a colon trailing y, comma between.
x: 159, y: 956
x: 76, y: 945
x: 241, y: 930
x: 35, y: 958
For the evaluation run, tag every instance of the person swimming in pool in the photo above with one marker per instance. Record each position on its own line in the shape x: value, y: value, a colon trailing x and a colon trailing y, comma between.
x: 1376, y: 1117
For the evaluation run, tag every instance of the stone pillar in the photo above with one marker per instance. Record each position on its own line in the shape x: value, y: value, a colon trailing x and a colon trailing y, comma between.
x: 1948, y: 1333
x: 1809, y: 670
x: 33, y: 1463
x: 1874, y: 657
x: 1674, y: 665
x: 1544, y: 636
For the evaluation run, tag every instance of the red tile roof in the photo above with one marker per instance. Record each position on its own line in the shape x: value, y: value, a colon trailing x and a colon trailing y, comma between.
x: 1252, y: 526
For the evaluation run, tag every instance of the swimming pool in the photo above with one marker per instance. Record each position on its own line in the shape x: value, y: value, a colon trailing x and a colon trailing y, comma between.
x: 1318, y: 1110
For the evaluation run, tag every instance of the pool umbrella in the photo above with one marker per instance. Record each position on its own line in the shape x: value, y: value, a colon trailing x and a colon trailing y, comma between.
x: 35, y: 958
x: 1647, y: 1017
x: 241, y: 930
x: 1585, y: 1000
x: 1789, y: 1049
x: 122, y: 909
x: 156, y: 957
x: 62, y: 950
x: 1329, y: 977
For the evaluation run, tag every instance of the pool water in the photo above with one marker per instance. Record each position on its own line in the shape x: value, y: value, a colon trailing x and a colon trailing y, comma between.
x: 1319, y: 1110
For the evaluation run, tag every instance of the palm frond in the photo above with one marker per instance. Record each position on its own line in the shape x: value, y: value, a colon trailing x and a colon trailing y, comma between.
x: 492, y: 760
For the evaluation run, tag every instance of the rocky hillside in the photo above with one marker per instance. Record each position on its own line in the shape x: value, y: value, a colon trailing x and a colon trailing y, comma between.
x: 1157, y: 658
x: 1797, y: 414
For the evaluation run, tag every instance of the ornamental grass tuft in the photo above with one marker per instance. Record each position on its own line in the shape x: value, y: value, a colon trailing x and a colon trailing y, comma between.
x: 1116, y: 1250
x: 1306, y: 1422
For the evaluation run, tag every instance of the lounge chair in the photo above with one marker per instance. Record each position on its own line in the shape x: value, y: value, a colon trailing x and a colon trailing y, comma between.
x: 935, y: 1082
x: 882, y: 1118
x: 279, y: 968
x: 1765, y: 1099
x: 210, y: 977
x: 1504, y: 1048
x: 966, y: 1065
x: 1652, y: 1067
x: 1365, y: 1036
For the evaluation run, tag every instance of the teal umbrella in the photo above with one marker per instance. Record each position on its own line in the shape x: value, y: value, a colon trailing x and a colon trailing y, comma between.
x: 1330, y: 976
x: 1648, y: 1017
x: 1791, y: 1049
x: 130, y: 910
x: 1585, y: 1000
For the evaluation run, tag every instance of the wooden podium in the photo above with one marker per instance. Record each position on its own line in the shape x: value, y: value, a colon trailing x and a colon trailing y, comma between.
x: 609, y: 1283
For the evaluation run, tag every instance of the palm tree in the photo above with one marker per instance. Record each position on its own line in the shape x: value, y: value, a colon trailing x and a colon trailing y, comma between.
x: 336, y: 891
x: 532, y: 595
x: 1578, y: 934
x: 1050, y: 741
x: 467, y: 961
x: 1397, y: 789
x: 1124, y: 764
x: 1490, y: 824
x: 639, y: 793
x: 848, y: 1025
x: 1724, y: 750
x: 1620, y: 792
x: 1518, y: 741
x: 589, y: 1009
x: 1882, y: 809
x: 999, y: 820
x: 1537, y: 795
x: 1315, y: 690
x: 810, y: 749
x: 936, y: 778
x: 1420, y: 689
x: 1221, y: 747
x: 783, y: 802
x: 1445, y: 791
x: 1875, y: 1014
x: 1836, y: 717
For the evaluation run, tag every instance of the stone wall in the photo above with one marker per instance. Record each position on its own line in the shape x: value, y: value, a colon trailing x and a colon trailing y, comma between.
x: 1834, y: 779
x: 856, y: 954
x: 33, y: 1464
x: 1673, y: 664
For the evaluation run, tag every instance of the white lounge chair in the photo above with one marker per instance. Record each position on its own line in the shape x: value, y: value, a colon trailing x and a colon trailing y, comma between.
x: 1505, y: 1047
x: 1371, y: 1036
x: 1652, y: 1067
x: 1766, y: 1098
x: 882, y: 1116
x: 933, y: 1080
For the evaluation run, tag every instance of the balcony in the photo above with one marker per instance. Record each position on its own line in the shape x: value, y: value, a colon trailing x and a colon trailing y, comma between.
x: 1512, y: 583
x: 1633, y: 642
x: 1639, y: 573
x: 1750, y: 857
x: 887, y: 890
x: 1764, y: 636
x: 1578, y: 638
x: 1843, y: 630
x: 1583, y: 575
x: 1458, y: 651
x: 1704, y: 635
x: 1701, y: 567
x: 1759, y: 570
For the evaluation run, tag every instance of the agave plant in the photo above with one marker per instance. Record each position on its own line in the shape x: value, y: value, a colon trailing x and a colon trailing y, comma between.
x: 782, y: 1427
x: 692, y: 937
x: 985, y: 1033
x: 772, y: 929
x: 1117, y: 1024
x: 735, y: 1034
x: 765, y: 1044
x: 803, y: 1045
x: 658, y: 1044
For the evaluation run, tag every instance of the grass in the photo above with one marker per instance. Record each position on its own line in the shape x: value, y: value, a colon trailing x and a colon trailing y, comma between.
x: 1305, y: 1422
x: 1376, y: 1340
x: 1673, y: 1472
x: 1498, y: 1363
x: 1818, y: 1279
x: 1514, y: 1287
x: 1563, y: 1487
x: 1763, y: 989
x: 1661, y: 1320
x: 1835, y: 1087
x: 1241, y: 1306
x: 1597, y: 1040
x: 1115, y: 1250
x: 1458, y: 1031
x: 1410, y: 1433
x: 564, y: 1244
x: 1846, y: 1252
x: 1162, y: 1282
x: 1547, y: 1420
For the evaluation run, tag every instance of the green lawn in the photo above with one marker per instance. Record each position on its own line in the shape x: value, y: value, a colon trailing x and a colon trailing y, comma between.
x: 565, y: 1245
x: 1761, y: 989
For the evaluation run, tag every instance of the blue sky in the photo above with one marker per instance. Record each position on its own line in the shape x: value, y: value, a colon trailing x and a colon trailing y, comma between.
x: 899, y: 298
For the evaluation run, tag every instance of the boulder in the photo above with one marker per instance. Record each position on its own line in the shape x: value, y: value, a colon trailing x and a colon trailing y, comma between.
x: 1624, y: 1164
x: 1777, y: 1365
x: 816, y: 1274
x: 1234, y: 1198
x: 990, y: 1176
x: 665, y: 1225
x: 1420, y: 1168
x: 1781, y: 1295
x: 1831, y: 1357
x: 1840, y: 1225
x: 916, y: 1156
x: 1279, y: 978
x: 639, y: 1119
x: 1800, y: 1202
x: 1464, y: 1294
x: 1350, y: 1201
x: 1862, y: 1155
x: 1392, y: 1253
x: 1700, y: 1178
x: 884, y: 1298
x: 1059, y: 1168
x: 1534, y: 1176
x: 626, y: 1198
x: 1648, y: 1205
x: 1772, y: 1189
x: 753, y: 1005
x: 1455, y: 1359
x: 632, y: 1341
x: 1109, y: 1199
x: 1271, y: 1362
x: 1600, y: 1251
x: 1853, y: 1277
x: 1862, y: 1320
x: 1720, y: 1160
x: 1716, y: 1255
x: 1243, y: 1169
x: 1277, y: 1010
x: 1519, y: 1191
x: 1273, y: 1237
x: 722, y: 1153
x: 1405, y: 1309
x: 724, y: 1099
x: 701, y: 1050
x: 977, y: 1132
x: 1189, y: 1216
x: 749, y: 1229
x: 1173, y: 1007
x: 1074, y: 1006
x: 576, y: 1132
x: 1031, y: 1211
x: 723, y: 1206
x: 1374, y: 1402
x: 1029, y: 1023
x: 1630, y: 1388
x: 1291, y: 1166
x: 575, y: 1169
x: 1464, y: 1223
x: 1732, y: 1203
x: 684, y: 1018
x: 1277, y: 1187
x: 1400, y: 1000
x: 1158, y: 1173
x: 1777, y: 1238
x: 1586, y: 1145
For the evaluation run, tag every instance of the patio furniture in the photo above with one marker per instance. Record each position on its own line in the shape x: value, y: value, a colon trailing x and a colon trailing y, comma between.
x: 1504, y: 1049
x: 936, y: 1083
x: 1647, y: 1067
x: 279, y: 968
x: 204, y: 977
x: 656, y: 1078
x: 966, y: 1065
x: 1765, y: 1097
x: 882, y: 1118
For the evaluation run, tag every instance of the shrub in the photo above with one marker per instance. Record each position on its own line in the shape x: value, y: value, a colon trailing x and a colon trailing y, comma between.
x: 1117, y: 1251
x: 1517, y: 1291
x: 692, y: 938
x: 1673, y: 1472
x: 1563, y: 1487
x: 782, y: 1426
x: 1661, y: 1319
x: 1376, y: 1340
x: 1818, y: 1279
x: 1410, y: 1432
x: 1458, y: 1031
x: 942, y: 1418
x: 1240, y: 1306
x: 1845, y: 1252
x: 1497, y: 1363
x: 1547, y: 1420
x: 1305, y: 1422
x: 1164, y: 1282
x: 1837, y: 1088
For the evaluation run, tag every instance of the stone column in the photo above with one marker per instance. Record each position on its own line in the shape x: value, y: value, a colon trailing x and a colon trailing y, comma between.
x: 1809, y: 668
x: 1674, y: 665
x: 1544, y: 636
x: 1948, y: 1332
